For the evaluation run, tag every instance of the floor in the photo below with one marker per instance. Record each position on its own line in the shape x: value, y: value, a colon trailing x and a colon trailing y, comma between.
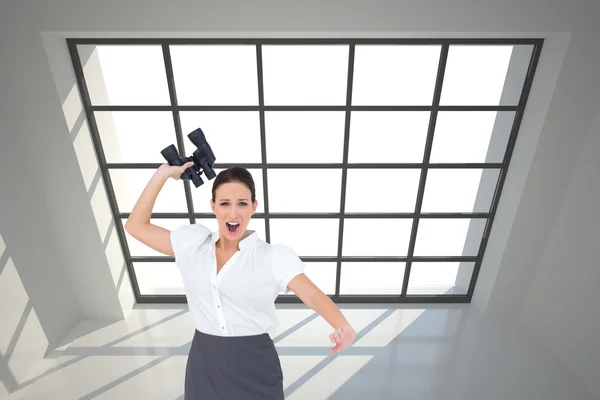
x: 446, y: 353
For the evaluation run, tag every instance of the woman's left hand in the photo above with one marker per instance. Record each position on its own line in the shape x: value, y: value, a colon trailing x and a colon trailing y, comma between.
x: 342, y: 338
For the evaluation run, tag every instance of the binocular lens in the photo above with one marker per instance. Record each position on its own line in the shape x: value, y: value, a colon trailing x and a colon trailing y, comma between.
x: 170, y: 154
x: 197, y: 137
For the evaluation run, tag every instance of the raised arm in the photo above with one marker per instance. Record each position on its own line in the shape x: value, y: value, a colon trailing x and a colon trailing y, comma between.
x: 138, y: 224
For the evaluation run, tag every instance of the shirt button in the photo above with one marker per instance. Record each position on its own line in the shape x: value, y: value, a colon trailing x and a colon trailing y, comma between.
x: 218, y: 306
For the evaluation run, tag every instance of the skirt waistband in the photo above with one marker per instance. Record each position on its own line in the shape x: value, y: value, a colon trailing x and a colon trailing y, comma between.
x: 259, y: 338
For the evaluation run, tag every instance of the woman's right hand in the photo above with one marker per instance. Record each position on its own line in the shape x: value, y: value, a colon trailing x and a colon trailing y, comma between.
x: 174, y: 171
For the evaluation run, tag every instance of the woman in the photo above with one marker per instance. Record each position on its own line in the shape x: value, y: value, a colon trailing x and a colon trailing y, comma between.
x: 231, y: 280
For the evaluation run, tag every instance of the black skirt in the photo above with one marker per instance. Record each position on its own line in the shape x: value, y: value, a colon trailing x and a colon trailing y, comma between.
x: 233, y: 368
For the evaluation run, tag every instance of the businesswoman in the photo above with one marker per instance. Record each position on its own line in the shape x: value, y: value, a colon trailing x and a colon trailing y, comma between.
x: 231, y: 279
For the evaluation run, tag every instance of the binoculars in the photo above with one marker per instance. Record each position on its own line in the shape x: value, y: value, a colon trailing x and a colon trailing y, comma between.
x: 203, y: 158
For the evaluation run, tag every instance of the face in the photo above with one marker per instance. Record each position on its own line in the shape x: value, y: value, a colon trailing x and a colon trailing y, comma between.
x: 233, y: 208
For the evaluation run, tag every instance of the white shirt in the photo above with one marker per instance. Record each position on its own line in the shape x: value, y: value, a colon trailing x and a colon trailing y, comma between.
x: 240, y: 299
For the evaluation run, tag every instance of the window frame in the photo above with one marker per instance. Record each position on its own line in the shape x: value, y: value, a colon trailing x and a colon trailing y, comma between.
x: 341, y: 216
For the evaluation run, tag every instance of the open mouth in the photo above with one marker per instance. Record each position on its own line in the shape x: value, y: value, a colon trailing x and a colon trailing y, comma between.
x: 233, y: 227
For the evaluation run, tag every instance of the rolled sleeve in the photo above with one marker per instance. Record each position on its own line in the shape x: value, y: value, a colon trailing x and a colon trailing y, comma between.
x: 286, y: 266
x: 186, y: 236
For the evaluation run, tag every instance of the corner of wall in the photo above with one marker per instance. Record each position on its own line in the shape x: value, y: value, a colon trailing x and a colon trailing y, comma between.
x: 533, y: 125
x: 112, y: 261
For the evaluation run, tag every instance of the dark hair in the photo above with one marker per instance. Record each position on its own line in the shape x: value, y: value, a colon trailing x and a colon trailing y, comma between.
x: 234, y: 174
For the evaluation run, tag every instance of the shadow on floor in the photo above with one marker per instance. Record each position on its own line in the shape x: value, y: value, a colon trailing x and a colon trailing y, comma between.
x: 444, y: 353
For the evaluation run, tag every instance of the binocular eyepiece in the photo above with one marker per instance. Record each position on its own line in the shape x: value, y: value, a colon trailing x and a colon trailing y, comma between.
x: 203, y: 158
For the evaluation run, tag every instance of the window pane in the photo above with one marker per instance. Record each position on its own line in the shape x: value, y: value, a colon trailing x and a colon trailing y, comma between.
x: 137, y: 248
x: 376, y: 237
x: 130, y: 137
x: 233, y: 136
x: 305, y: 75
x: 459, y: 190
x: 438, y: 277
x: 471, y: 136
x: 215, y: 75
x: 449, y: 237
x: 258, y: 225
x: 309, y: 190
x: 304, y: 137
x: 371, y: 278
x: 485, y: 75
x: 387, y: 136
x: 158, y: 278
x: 382, y: 190
x: 322, y: 274
x: 129, y: 184
x: 202, y: 195
x: 395, y: 75
x: 210, y: 223
x: 126, y: 75
x: 308, y: 237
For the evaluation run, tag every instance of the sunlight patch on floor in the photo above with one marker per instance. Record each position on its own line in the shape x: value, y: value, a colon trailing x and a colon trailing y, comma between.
x: 89, y: 374
x: 383, y: 333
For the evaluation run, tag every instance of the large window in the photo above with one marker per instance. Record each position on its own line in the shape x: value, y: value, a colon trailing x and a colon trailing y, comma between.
x: 381, y: 162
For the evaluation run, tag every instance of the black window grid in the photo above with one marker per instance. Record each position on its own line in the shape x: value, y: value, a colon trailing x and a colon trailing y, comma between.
x: 264, y: 165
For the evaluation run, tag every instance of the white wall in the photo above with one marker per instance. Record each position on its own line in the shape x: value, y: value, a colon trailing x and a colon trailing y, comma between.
x: 38, y: 305
x: 566, y: 126
x: 68, y: 274
x: 104, y: 276
x: 563, y: 308
x: 33, y: 316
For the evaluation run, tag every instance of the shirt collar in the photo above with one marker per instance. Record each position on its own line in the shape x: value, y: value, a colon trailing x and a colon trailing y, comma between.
x: 245, y: 243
